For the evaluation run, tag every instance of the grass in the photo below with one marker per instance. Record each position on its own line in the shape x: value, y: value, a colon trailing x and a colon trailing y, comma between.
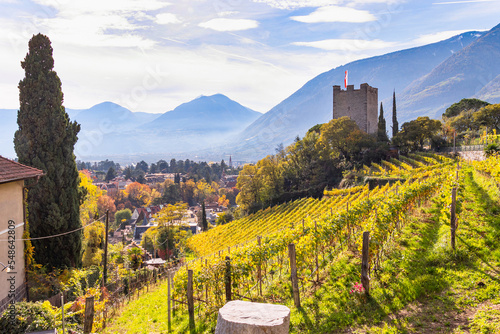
x: 148, y: 314
x: 422, y: 286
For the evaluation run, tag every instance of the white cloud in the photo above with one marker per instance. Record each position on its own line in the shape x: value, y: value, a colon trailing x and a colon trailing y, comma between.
x: 76, y: 7
x: 227, y: 13
x: 222, y: 24
x: 437, y: 36
x: 167, y: 18
x: 112, y: 23
x: 460, y: 2
x: 347, y: 44
x: 292, y: 4
x: 336, y: 14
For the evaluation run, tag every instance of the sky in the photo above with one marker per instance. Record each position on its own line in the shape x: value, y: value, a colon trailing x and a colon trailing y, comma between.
x: 153, y: 55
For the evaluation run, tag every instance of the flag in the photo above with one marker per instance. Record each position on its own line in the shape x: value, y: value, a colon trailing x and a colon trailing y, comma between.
x: 345, y: 80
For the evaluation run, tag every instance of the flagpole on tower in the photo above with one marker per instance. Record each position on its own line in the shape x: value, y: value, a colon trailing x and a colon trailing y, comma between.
x: 345, y: 80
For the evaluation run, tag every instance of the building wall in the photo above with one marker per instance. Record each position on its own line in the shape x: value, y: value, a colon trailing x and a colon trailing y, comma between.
x: 361, y: 105
x: 11, y: 209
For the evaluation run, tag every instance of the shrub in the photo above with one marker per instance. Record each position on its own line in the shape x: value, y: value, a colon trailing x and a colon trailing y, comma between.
x: 491, y: 149
x: 27, y: 317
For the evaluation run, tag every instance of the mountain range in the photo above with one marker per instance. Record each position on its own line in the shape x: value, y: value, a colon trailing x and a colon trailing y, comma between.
x: 426, y: 79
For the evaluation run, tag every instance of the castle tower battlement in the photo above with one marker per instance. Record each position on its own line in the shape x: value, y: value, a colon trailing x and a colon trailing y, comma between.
x: 361, y: 105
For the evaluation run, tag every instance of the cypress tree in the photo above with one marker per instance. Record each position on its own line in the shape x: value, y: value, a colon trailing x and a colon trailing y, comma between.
x: 45, y: 140
x: 204, y: 222
x: 395, y: 124
x: 381, y: 131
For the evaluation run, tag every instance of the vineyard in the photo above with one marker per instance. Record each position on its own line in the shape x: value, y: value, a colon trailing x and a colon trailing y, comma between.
x: 408, y: 218
x: 285, y: 216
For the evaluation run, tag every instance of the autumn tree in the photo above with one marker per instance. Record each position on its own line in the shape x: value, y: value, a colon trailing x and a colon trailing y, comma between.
x: 93, y: 244
x: 106, y: 204
x: 170, y: 220
x: 89, y: 208
x: 45, y: 140
x: 250, y: 186
x: 138, y: 194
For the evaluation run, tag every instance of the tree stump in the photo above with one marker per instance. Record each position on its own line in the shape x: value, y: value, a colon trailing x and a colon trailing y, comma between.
x: 240, y: 317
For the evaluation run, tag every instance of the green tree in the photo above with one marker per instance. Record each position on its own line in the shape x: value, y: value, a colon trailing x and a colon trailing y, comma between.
x: 464, y: 105
x: 395, y: 124
x: 224, y: 218
x: 122, y: 216
x: 135, y: 258
x: 143, y: 165
x: 204, y: 221
x: 489, y: 116
x: 45, y: 140
x: 382, y: 129
x: 416, y: 133
x: 111, y: 174
x: 341, y: 138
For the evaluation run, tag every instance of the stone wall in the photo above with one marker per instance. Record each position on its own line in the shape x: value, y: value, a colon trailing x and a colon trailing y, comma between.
x: 361, y: 105
x: 472, y: 155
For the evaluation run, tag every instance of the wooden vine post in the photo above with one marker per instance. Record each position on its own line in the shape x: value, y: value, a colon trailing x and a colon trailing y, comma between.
x: 227, y: 279
x: 190, y: 300
x: 316, y: 252
x: 169, y: 302
x: 259, y: 268
x: 365, y: 279
x: 62, y: 312
x: 89, y: 315
x: 293, y: 273
x: 453, y: 216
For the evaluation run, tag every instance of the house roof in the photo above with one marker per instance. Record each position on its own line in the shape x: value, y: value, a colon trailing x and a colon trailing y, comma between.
x: 14, y: 171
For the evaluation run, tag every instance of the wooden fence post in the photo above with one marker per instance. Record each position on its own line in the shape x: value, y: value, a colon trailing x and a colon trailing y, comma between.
x: 206, y: 285
x: 62, y: 311
x: 453, y: 216
x: 169, y: 301
x: 89, y: 315
x: 190, y: 300
x: 259, y: 269
x: 293, y: 273
x: 316, y: 252
x: 227, y: 279
x: 365, y: 280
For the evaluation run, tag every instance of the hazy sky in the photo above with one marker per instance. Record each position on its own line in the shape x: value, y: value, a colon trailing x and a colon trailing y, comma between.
x: 152, y: 55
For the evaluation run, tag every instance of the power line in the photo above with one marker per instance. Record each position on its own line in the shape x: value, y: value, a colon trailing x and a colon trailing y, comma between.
x: 57, y: 235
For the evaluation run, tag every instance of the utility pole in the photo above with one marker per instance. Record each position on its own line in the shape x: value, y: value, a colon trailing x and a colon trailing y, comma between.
x: 105, y: 269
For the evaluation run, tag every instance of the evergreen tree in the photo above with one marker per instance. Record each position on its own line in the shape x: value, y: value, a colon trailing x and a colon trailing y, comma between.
x: 395, y: 124
x: 381, y: 131
x: 45, y: 140
x: 111, y: 174
x: 204, y: 222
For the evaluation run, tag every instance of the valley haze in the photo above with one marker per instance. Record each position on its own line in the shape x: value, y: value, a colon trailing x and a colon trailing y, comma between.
x: 427, y: 79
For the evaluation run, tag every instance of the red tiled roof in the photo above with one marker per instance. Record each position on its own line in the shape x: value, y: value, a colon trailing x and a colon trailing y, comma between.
x: 13, y: 171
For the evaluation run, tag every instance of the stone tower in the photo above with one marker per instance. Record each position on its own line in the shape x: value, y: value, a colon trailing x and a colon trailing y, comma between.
x: 361, y: 105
